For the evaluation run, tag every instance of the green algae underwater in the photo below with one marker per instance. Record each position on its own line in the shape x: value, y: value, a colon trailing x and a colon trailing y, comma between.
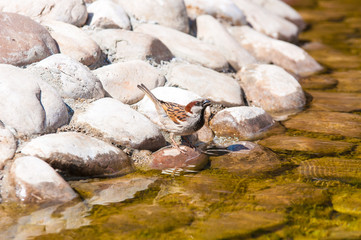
x: 314, y: 193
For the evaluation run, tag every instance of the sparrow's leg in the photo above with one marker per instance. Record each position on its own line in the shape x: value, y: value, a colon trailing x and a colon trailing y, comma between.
x: 171, y: 136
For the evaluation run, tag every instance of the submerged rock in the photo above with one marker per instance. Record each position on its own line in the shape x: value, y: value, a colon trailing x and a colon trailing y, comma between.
x: 335, y: 101
x: 79, y: 155
x: 307, y: 145
x: 348, y: 202
x: 31, y: 180
x: 244, y: 123
x: 253, y: 160
x: 344, y: 170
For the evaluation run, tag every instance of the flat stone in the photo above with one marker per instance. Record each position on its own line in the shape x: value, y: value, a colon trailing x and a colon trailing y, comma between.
x: 29, y: 104
x: 122, y: 45
x: 120, y: 80
x: 186, y: 47
x: 327, y: 168
x: 69, y: 11
x: 273, y: 89
x: 74, y: 42
x: 107, y: 14
x: 345, y: 124
x: 348, y: 81
x: 209, y: 30
x: 266, y: 22
x: 230, y: 225
x: 207, y: 83
x: 112, y: 190
x: 31, y: 180
x: 283, y: 10
x: 71, y: 78
x: 168, y: 94
x: 23, y: 41
x: 79, y: 155
x: 8, y: 145
x: 266, y: 49
x: 252, y: 161
x: 288, y: 195
x: 223, y: 10
x: 304, y: 144
x: 127, y: 126
x: 318, y: 82
x: 335, y: 101
x: 172, y: 14
x: 243, y: 123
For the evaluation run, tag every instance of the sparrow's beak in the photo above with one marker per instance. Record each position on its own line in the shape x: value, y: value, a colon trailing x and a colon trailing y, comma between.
x: 206, y: 103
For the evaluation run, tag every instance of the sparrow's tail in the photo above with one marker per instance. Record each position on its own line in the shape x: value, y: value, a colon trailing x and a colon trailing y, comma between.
x: 148, y: 93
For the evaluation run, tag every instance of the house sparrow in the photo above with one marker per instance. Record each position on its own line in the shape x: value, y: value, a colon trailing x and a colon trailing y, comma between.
x: 178, y: 119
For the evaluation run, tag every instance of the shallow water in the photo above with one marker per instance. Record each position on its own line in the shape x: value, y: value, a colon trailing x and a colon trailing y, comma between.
x: 312, y: 192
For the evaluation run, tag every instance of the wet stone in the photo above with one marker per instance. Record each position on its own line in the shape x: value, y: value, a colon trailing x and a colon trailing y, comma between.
x: 348, y: 81
x: 318, y: 82
x: 345, y: 124
x: 335, y: 101
x: 305, y: 144
x: 288, y: 195
x: 344, y: 170
x: 171, y: 161
x: 112, y: 190
x: 237, y: 225
x: 251, y: 161
x: 348, y: 202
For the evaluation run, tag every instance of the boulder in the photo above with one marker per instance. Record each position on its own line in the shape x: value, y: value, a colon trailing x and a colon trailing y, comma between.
x: 23, y: 41
x: 123, y: 45
x: 69, y: 11
x: 8, y: 145
x: 120, y: 124
x: 207, y: 83
x: 286, y: 55
x: 79, y: 155
x: 273, y: 89
x: 209, y: 30
x: 266, y: 22
x: 71, y: 78
x: 223, y: 10
x: 74, y: 42
x: 29, y: 104
x: 31, y: 180
x: 107, y: 14
x: 169, y: 13
x: 244, y: 123
x: 186, y: 47
x: 120, y: 80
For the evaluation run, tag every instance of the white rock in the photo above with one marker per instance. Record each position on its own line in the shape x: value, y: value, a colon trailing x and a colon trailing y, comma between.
x: 169, y: 94
x: 29, y: 104
x: 7, y: 145
x: 223, y: 10
x: 186, y: 47
x: 120, y: 124
x: 31, y: 180
x: 69, y: 11
x: 245, y: 123
x: 120, y: 80
x: 283, y: 10
x: 266, y: 22
x: 71, y: 78
x: 207, y: 83
x: 211, y: 31
x: 269, y: 50
x: 107, y: 14
x: 79, y: 155
x: 74, y: 42
x: 122, y: 45
x: 273, y: 89
x: 169, y: 13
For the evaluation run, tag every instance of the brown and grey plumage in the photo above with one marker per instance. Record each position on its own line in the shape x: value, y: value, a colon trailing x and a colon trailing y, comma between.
x: 176, y: 118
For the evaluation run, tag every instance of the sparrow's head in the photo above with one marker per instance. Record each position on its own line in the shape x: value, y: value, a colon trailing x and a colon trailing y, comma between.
x: 197, y: 106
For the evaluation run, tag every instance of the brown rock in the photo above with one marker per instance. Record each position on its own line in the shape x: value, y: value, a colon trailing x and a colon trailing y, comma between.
x: 244, y: 123
x: 23, y: 41
x: 252, y: 161
x: 334, y: 101
x: 308, y: 145
x: 319, y: 82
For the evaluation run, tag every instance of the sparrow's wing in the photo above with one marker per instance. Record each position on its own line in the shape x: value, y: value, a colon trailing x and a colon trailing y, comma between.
x: 174, y: 111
